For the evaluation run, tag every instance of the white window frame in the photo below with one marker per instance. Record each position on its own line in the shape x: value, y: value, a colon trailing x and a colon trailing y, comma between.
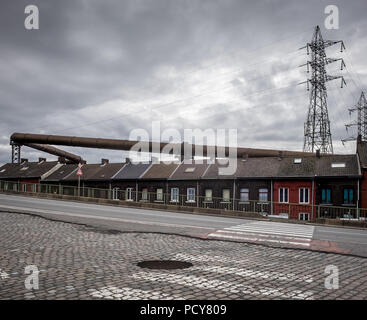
x: 282, y: 200
x: 304, y: 197
x: 303, y: 215
x: 144, y: 194
x: 209, y: 198
x: 24, y: 187
x: 129, y: 194
x: 244, y: 192
x: 115, y: 193
x: 34, y: 187
x: 190, y: 195
x: 225, y: 199
x: 175, y: 194
x: 263, y: 192
x: 159, y: 194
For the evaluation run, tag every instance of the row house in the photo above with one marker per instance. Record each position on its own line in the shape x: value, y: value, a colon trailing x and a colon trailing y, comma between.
x: 297, y: 188
x: 26, y: 176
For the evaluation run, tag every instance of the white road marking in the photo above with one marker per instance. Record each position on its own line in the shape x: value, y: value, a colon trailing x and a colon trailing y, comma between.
x: 262, y: 231
x: 118, y: 209
x: 219, y: 285
x: 61, y: 213
x: 127, y: 293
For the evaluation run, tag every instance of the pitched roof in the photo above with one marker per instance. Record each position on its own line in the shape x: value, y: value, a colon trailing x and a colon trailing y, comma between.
x: 297, y: 167
x: 187, y: 171
x: 258, y: 167
x: 132, y: 171
x: 160, y: 171
x: 61, y: 172
x: 338, y: 165
x: 26, y: 169
x: 95, y: 172
x: 362, y: 152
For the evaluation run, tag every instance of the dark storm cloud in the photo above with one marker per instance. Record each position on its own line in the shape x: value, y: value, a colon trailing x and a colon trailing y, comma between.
x: 195, y: 64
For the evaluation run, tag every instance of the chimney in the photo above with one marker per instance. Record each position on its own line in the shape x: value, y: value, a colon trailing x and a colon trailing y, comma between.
x: 62, y: 160
x: 23, y: 160
x: 318, y: 153
x: 104, y: 161
x: 41, y: 160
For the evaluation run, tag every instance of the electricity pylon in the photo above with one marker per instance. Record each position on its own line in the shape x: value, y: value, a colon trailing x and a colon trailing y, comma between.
x: 317, y: 135
x: 361, y: 123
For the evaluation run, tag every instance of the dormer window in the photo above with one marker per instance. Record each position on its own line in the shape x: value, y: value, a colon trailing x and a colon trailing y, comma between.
x: 338, y: 165
x: 191, y: 169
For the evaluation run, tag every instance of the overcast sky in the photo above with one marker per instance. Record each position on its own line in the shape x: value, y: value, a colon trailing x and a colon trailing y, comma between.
x: 102, y: 68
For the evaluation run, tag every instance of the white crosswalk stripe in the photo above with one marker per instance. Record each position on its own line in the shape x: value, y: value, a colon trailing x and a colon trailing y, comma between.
x: 265, y: 231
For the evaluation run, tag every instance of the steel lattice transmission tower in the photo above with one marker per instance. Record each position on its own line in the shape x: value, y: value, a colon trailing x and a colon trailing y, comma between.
x: 361, y: 123
x: 317, y: 135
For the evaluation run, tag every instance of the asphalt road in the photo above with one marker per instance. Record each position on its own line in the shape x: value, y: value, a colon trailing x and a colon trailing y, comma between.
x: 135, y: 219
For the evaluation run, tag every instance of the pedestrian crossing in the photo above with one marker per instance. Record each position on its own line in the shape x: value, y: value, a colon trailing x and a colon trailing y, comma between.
x: 266, y: 231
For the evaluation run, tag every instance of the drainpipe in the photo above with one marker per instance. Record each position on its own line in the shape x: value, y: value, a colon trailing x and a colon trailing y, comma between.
x: 136, y: 188
x: 358, y: 199
x: 234, y: 193
x: 197, y: 193
x: 271, y: 197
x: 312, y: 197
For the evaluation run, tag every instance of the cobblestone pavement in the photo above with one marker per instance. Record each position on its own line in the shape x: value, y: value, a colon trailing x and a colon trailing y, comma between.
x: 80, y: 262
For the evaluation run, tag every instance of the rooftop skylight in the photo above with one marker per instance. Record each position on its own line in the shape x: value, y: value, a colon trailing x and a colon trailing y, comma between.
x: 191, y: 169
x: 338, y: 165
x: 297, y: 160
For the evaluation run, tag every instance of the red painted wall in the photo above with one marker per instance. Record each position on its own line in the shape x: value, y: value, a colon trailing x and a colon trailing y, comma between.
x: 294, y: 207
x: 363, y: 190
x: 29, y: 184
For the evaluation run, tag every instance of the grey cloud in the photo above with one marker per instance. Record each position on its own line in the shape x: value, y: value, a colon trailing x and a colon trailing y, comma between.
x: 87, y: 53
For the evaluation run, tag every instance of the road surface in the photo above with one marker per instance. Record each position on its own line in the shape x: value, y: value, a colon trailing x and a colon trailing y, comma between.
x: 306, y: 236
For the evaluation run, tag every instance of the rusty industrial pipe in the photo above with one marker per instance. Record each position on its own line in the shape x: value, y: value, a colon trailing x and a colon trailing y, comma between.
x: 116, y: 144
x: 55, y: 151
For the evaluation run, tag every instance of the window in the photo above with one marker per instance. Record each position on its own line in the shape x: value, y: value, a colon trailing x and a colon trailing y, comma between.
x: 15, y: 187
x: 297, y: 160
x: 244, y: 194
x: 263, y: 194
x: 24, y: 187
x: 191, y: 194
x: 304, y: 216
x: 303, y: 195
x: 348, y: 196
x: 34, y: 188
x: 208, y: 195
x: 115, y: 193
x: 191, y: 169
x: 144, y: 194
x: 174, y: 195
x: 325, y: 195
x: 283, y: 195
x: 159, y: 194
x: 226, y: 195
x: 129, y: 194
x: 6, y: 186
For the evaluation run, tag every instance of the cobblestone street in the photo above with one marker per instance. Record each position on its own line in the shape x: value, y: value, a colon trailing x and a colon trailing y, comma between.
x: 80, y: 262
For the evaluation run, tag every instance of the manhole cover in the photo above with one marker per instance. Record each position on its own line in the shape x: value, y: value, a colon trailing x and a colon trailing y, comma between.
x: 164, y: 264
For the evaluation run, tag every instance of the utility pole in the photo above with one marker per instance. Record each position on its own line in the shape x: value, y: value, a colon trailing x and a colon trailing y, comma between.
x: 361, y: 123
x: 317, y: 135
